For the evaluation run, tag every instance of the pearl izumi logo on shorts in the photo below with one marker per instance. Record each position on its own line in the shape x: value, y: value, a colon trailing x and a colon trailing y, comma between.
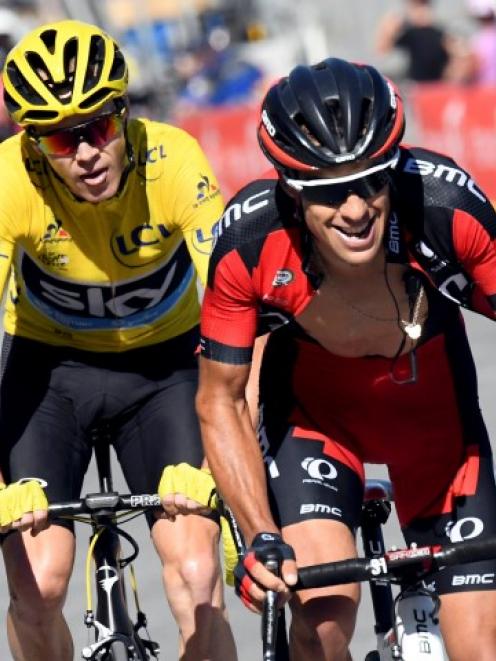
x: 463, y: 529
x: 320, y: 471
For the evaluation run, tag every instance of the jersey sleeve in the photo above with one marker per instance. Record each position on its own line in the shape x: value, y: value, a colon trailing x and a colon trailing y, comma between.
x: 12, y: 215
x: 229, y: 312
x: 475, y: 248
x: 6, y: 256
x: 198, y: 203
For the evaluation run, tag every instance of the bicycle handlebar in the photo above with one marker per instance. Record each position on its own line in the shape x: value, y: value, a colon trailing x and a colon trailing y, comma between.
x: 93, y: 503
x: 395, y: 565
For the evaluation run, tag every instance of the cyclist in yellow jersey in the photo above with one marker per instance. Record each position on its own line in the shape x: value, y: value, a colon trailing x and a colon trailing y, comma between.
x: 105, y: 223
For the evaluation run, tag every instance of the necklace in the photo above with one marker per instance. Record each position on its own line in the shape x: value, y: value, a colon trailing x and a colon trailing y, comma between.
x: 363, y: 313
x: 411, y: 327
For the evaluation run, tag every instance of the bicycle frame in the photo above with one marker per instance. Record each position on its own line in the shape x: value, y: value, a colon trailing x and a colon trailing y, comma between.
x: 111, y: 621
x: 403, y: 633
x: 375, y: 513
x: 407, y: 624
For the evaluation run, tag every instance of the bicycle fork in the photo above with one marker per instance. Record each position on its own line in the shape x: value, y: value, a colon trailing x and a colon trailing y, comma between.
x: 111, y: 621
x: 374, y: 514
x: 412, y: 630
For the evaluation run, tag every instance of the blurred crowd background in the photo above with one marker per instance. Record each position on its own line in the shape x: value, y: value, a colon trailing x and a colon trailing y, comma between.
x: 205, y: 64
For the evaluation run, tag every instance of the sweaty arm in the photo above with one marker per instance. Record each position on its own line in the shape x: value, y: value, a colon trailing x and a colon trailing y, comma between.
x: 228, y: 328
x: 231, y: 446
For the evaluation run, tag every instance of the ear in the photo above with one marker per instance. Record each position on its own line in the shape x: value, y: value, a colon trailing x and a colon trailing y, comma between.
x: 29, y: 132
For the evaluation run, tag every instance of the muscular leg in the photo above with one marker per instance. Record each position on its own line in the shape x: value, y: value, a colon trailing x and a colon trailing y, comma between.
x: 40, y: 438
x: 188, y: 549
x: 165, y: 431
x: 323, y: 619
x: 468, y: 625
x: 38, y: 571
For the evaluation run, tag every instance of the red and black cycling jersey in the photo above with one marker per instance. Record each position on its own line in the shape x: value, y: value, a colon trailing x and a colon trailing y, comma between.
x: 441, y: 223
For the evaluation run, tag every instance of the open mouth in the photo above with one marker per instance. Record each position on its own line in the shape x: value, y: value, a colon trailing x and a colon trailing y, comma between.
x: 94, y: 178
x: 361, y: 234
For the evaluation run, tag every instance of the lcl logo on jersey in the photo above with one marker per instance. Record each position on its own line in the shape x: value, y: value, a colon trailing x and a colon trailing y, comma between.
x: 319, y: 471
x: 203, y: 241
x: 152, y: 155
x: 141, y: 245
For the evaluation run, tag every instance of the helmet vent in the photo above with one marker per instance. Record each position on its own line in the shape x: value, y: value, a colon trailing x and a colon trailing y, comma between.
x: 366, y: 117
x: 11, y: 105
x: 335, y: 119
x: 96, y: 59
x: 118, y: 70
x: 97, y: 99
x: 26, y: 91
x: 300, y: 120
x: 40, y: 115
x: 48, y: 38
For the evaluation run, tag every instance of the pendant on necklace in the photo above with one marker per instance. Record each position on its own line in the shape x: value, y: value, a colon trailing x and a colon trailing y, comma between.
x: 413, y: 331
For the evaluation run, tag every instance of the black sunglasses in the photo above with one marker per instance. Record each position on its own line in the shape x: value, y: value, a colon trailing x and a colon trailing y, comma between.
x: 336, y: 193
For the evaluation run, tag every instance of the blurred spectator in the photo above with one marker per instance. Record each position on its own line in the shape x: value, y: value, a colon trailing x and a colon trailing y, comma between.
x: 215, y: 74
x: 11, y: 29
x: 483, y: 43
x: 417, y: 34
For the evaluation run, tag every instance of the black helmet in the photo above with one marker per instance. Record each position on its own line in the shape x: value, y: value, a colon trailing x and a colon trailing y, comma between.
x: 330, y: 113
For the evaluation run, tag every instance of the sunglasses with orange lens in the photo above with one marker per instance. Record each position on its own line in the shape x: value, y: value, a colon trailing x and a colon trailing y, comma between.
x: 97, y: 132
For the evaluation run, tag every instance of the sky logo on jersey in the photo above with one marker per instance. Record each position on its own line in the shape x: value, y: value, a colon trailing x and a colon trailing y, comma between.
x: 95, y: 306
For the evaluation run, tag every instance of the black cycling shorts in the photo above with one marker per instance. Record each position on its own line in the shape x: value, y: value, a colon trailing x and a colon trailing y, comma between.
x: 51, y: 398
x: 324, y: 416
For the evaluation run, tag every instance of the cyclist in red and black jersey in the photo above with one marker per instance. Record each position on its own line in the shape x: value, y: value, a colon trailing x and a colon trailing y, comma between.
x: 357, y: 256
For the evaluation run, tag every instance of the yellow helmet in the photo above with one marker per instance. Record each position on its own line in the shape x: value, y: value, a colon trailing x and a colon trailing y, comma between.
x: 61, y: 69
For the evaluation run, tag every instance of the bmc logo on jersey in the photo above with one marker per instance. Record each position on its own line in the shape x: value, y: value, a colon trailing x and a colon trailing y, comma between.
x: 235, y: 211
x: 443, y: 171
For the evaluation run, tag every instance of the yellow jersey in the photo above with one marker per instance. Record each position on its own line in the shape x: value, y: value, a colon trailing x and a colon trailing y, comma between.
x: 114, y: 275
